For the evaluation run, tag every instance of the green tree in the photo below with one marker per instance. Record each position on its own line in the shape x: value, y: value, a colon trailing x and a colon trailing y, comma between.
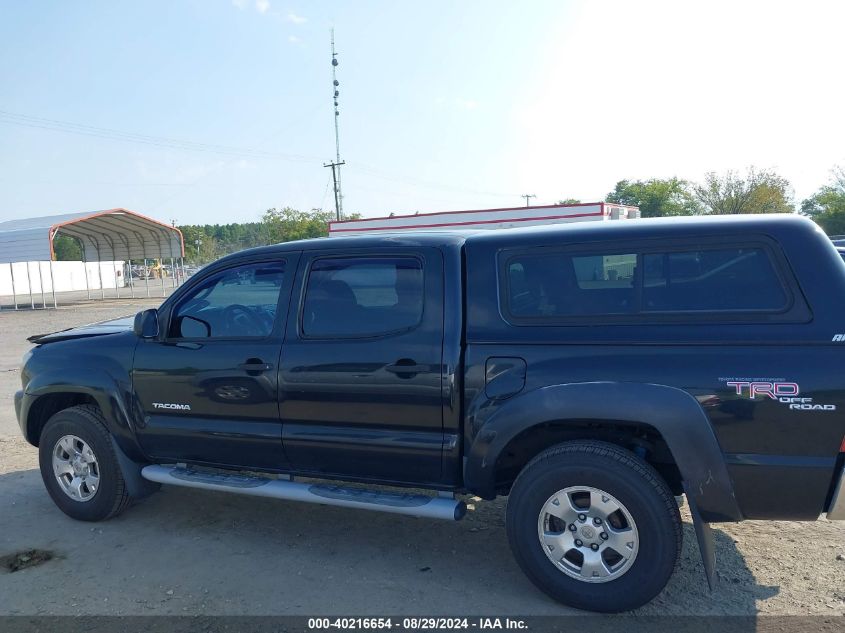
x: 200, y: 245
x: 67, y: 249
x: 758, y: 191
x: 205, y: 243
x: 656, y: 197
x: 287, y: 224
x: 569, y: 201
x: 827, y: 205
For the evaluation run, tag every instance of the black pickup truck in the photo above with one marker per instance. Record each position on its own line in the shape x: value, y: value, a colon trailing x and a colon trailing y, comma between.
x: 593, y: 373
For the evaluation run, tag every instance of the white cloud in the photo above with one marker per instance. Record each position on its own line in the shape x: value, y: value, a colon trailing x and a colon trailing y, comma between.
x: 293, y: 39
x: 296, y: 19
x: 240, y: 4
x: 262, y: 5
x: 466, y: 104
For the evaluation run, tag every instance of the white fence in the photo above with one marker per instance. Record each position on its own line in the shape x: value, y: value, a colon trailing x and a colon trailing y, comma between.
x: 66, y: 276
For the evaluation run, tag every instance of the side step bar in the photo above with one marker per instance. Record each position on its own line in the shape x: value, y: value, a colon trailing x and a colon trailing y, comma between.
x: 327, y: 494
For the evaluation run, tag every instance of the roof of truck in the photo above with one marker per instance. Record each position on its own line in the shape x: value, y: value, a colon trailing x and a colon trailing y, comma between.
x: 649, y: 227
x: 575, y: 232
x: 398, y: 239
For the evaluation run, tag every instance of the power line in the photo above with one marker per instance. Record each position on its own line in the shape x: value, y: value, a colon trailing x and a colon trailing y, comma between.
x: 425, y: 184
x: 263, y: 142
x: 98, y: 183
x: 25, y: 120
x: 527, y: 196
x: 325, y: 193
x: 401, y: 195
x: 255, y: 152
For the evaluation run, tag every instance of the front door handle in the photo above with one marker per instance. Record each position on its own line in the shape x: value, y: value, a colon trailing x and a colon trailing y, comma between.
x: 255, y: 366
x: 406, y: 366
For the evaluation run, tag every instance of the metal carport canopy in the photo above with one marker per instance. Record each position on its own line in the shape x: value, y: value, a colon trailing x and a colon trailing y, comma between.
x: 114, y: 234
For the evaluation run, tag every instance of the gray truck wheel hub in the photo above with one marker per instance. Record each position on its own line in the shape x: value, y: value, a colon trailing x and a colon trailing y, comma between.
x: 588, y: 534
x: 76, y: 468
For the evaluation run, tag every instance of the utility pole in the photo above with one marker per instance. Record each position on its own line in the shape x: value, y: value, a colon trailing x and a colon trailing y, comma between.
x: 527, y: 196
x: 336, y: 163
x: 336, y: 179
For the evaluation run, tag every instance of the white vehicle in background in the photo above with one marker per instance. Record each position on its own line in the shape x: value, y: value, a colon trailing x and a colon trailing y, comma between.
x: 487, y: 218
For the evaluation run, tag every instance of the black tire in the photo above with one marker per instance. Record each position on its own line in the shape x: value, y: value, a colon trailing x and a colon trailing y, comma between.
x: 87, y: 423
x: 632, y: 482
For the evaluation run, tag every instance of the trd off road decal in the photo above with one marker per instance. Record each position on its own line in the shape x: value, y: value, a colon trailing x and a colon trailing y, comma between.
x: 779, y: 389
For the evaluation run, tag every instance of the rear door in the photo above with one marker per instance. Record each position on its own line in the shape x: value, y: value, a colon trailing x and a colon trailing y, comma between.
x: 360, y: 380
x: 208, y: 386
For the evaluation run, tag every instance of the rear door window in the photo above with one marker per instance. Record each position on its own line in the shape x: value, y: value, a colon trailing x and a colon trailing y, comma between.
x: 354, y: 297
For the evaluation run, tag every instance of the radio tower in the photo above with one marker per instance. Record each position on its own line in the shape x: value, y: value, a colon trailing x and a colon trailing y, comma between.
x: 335, y: 165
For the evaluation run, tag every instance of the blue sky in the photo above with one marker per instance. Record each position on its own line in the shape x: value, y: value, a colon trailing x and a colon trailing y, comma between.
x: 444, y: 105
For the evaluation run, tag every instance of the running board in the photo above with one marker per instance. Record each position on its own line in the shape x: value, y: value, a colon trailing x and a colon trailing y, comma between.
x: 327, y: 494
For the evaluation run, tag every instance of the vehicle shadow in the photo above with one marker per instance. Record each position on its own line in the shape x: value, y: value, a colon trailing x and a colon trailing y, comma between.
x: 185, y: 551
x: 736, y: 593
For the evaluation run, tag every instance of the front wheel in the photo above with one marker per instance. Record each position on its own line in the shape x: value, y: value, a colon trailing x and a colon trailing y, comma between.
x: 594, y: 526
x: 79, y: 466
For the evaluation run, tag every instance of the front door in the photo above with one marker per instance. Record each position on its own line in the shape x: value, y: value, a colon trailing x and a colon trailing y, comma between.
x: 208, y: 385
x: 360, y: 381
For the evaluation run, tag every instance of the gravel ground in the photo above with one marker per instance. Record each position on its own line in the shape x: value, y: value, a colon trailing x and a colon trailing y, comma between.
x: 190, y: 552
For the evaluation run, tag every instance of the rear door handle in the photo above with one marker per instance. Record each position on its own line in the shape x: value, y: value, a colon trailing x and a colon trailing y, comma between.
x: 255, y: 367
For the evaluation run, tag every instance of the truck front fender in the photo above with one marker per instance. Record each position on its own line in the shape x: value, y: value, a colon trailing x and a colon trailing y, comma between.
x: 675, y: 414
x: 114, y: 398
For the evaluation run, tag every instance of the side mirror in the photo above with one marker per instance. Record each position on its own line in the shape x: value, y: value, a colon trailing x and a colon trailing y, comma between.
x: 146, y: 323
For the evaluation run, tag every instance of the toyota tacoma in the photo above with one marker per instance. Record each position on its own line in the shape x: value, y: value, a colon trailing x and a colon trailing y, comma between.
x: 593, y: 373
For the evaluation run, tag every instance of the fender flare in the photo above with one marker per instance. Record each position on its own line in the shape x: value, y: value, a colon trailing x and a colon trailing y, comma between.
x: 672, y: 412
x: 113, y: 399
x: 675, y: 414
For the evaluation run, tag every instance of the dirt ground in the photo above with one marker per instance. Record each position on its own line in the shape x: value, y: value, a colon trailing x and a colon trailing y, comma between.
x: 194, y: 552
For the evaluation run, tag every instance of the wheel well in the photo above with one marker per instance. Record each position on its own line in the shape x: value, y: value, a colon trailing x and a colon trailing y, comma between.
x: 641, y: 439
x: 48, y: 405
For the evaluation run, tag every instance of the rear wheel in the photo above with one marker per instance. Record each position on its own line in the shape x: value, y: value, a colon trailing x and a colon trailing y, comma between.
x: 79, y: 466
x: 594, y: 526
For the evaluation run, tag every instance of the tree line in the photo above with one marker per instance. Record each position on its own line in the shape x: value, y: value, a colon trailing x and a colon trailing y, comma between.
x: 731, y: 193
x: 754, y: 191
x: 205, y: 243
